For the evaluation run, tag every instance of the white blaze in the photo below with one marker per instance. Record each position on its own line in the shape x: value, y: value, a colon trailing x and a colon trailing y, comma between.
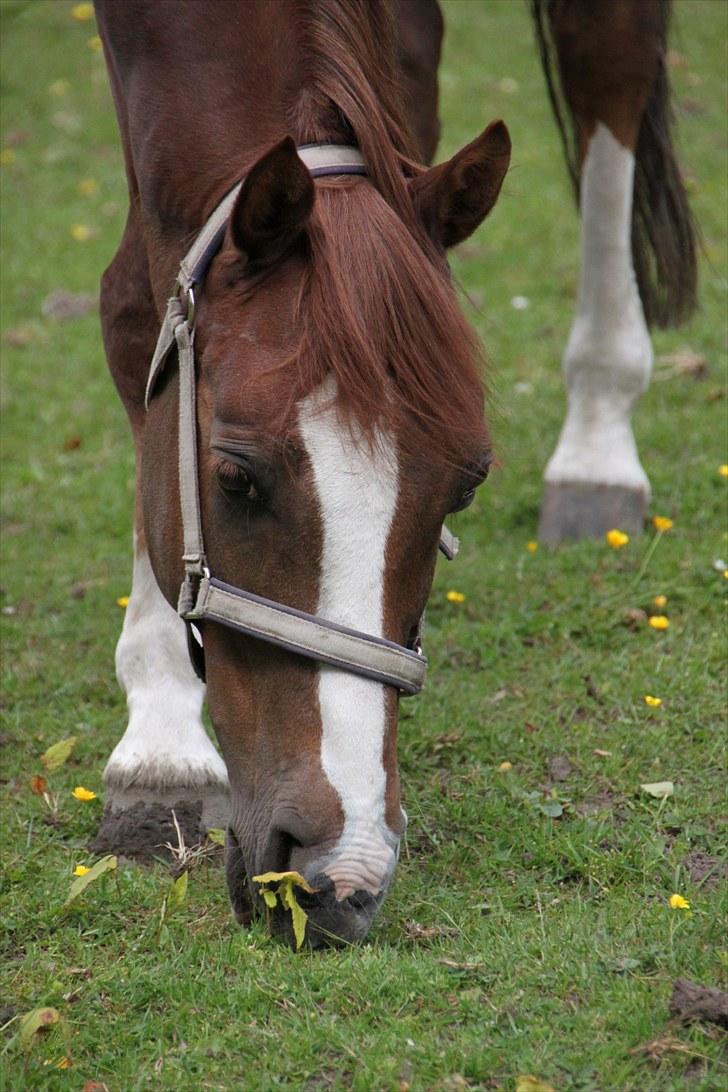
x: 357, y: 492
x: 608, y: 357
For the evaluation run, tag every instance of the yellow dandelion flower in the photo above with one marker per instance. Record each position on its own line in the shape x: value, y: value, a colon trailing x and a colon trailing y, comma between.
x: 123, y: 601
x: 83, y: 794
x: 88, y: 187
x: 7, y: 157
x: 455, y: 597
x: 532, y: 547
x: 80, y: 870
x: 504, y: 766
x: 654, y: 703
x: 723, y: 470
x: 94, y: 43
x: 659, y: 621
x: 662, y: 523
x: 616, y: 539
x: 80, y: 232
x: 677, y: 902
x: 660, y: 601
x: 82, y: 12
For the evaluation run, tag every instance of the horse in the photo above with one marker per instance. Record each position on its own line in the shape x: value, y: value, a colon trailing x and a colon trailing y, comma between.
x: 314, y: 407
x: 607, y: 80
x: 313, y: 412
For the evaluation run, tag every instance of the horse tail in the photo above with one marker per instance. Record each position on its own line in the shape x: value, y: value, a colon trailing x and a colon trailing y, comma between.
x: 663, y: 229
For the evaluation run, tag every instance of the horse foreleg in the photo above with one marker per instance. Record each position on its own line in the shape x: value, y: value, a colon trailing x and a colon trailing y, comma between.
x: 165, y: 760
x: 608, y: 55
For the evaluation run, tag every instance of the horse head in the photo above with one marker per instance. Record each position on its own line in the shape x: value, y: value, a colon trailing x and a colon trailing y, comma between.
x: 339, y: 419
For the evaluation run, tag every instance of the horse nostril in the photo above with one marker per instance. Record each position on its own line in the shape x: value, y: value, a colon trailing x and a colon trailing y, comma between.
x: 279, y: 851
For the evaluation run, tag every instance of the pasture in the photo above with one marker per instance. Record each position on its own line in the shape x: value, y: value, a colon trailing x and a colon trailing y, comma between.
x: 529, y: 930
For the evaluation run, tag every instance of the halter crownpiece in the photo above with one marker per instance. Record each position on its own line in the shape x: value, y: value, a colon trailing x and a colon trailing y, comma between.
x: 202, y: 596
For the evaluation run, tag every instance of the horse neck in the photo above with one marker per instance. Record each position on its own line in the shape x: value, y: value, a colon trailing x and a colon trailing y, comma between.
x: 213, y: 93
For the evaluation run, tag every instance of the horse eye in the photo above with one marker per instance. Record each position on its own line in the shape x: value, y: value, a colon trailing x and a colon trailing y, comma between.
x: 234, y: 479
x: 466, y: 500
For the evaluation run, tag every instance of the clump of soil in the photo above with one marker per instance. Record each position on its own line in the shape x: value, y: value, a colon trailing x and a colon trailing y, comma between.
x: 704, y: 869
x: 691, y: 1001
x: 142, y: 830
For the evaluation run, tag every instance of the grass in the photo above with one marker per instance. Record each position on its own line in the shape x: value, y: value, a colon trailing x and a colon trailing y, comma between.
x: 551, y: 947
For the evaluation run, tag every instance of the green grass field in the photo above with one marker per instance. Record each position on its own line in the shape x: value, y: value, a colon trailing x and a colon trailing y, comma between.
x: 529, y: 930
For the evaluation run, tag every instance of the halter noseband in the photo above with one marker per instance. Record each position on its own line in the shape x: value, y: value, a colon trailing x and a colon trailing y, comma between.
x: 202, y: 596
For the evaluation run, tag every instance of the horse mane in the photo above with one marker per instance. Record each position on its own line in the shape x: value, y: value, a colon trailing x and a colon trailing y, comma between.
x: 376, y: 307
x: 663, y: 229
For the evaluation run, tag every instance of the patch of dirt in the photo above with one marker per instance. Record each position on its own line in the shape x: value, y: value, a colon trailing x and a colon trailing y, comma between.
x: 560, y: 768
x: 63, y: 305
x: 691, y: 1001
x: 703, y: 869
x: 593, y: 805
x: 141, y: 831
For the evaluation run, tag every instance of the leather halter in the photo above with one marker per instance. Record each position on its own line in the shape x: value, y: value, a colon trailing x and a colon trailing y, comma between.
x: 204, y: 597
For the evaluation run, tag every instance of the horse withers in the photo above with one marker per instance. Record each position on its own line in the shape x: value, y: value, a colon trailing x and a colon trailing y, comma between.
x: 314, y: 413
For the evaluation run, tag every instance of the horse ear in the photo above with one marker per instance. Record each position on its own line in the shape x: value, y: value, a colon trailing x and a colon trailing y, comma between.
x: 453, y: 198
x: 274, y: 203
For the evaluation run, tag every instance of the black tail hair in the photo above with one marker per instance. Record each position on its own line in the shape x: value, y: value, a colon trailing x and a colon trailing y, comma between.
x: 663, y: 229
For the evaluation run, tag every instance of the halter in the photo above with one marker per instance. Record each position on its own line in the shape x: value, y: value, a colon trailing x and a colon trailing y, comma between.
x: 204, y: 597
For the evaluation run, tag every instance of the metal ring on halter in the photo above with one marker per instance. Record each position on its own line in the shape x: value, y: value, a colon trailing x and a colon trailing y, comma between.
x: 190, y: 307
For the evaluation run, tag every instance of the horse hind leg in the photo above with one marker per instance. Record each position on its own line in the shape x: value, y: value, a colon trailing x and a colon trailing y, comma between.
x: 609, y: 52
x: 165, y: 760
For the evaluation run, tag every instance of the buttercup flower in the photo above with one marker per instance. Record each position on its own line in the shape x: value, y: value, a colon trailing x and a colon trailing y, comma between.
x: 82, y: 12
x: 662, y: 523
x: 88, y: 186
x: 660, y: 601
x: 80, y: 232
x: 654, y: 703
x: 677, y: 902
x: 94, y: 43
x: 83, y: 794
x: 532, y: 547
x: 505, y: 766
x: 659, y: 621
x: 723, y: 470
x: 80, y: 869
x: 616, y: 539
x: 123, y: 601
x: 455, y: 597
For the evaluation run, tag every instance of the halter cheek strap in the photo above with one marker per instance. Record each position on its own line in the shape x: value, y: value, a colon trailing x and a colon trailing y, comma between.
x: 203, y: 597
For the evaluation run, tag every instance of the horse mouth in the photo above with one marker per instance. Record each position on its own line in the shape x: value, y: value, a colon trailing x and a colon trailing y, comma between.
x: 330, y: 921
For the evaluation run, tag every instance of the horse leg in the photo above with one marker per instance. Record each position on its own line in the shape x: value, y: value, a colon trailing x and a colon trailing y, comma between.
x: 165, y: 759
x: 608, y: 52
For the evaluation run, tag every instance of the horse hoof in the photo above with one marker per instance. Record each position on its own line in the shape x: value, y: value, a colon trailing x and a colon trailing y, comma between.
x: 144, y: 830
x: 573, y: 510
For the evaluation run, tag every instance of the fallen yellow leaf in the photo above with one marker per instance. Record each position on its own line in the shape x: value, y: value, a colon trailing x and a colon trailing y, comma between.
x: 528, y: 1083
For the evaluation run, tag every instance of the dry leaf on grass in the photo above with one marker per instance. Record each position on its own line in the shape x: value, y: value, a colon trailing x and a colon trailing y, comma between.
x: 659, y: 789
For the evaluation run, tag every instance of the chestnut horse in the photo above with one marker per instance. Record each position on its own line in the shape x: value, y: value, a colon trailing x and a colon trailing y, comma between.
x: 324, y: 411
x: 315, y: 411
